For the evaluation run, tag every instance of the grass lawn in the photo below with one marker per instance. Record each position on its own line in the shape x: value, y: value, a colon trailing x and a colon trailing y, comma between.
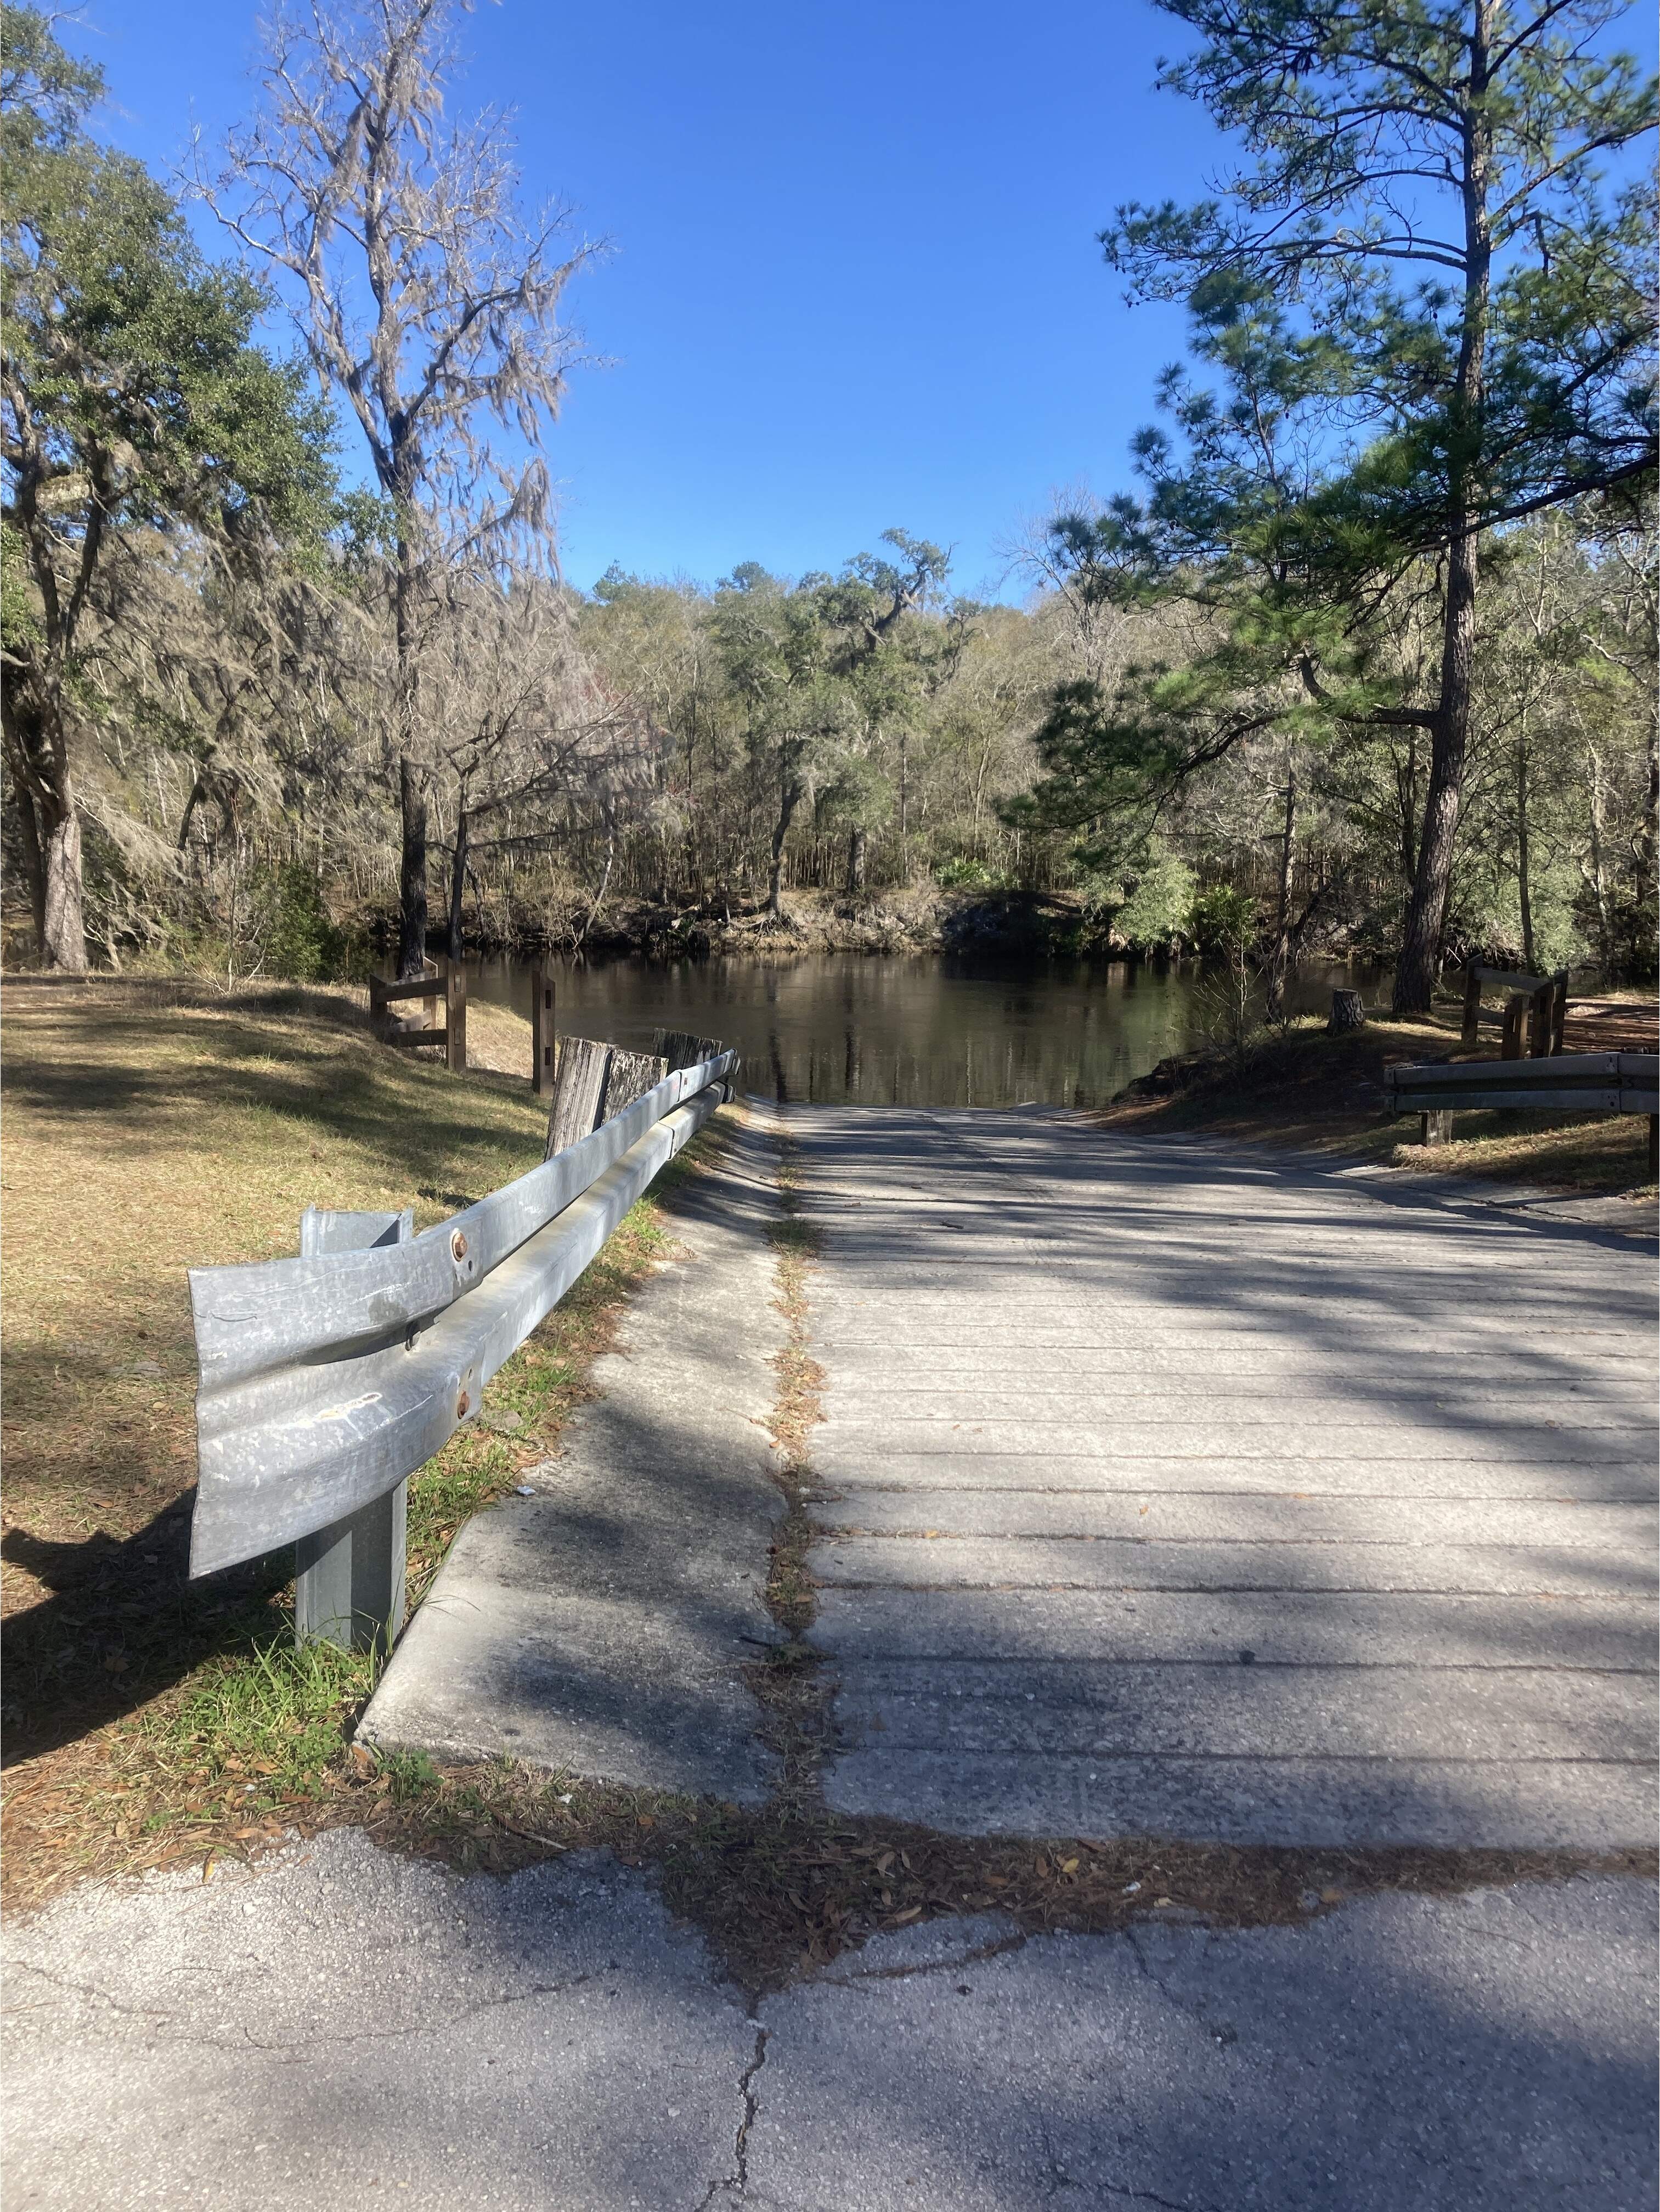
x: 1320, y: 1093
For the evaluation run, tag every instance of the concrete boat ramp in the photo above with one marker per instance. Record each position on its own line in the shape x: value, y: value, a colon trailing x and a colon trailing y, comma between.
x: 1170, y: 1489
x: 1163, y: 1488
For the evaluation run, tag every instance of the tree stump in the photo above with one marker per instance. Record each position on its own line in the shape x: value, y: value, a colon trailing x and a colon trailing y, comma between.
x: 1349, y: 1012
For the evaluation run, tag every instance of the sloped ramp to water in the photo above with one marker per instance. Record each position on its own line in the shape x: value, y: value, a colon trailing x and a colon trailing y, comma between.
x: 1173, y: 1488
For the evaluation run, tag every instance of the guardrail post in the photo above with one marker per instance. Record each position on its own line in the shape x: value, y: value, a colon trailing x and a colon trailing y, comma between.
x: 455, y: 1017
x: 1539, y: 1026
x: 348, y: 1578
x: 1435, y: 1128
x: 541, y: 1031
x: 1471, y: 1004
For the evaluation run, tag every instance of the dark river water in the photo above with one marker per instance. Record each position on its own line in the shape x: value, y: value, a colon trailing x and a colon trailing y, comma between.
x: 906, y: 1031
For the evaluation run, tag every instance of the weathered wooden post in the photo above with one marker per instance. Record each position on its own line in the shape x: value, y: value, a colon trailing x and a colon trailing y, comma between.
x: 541, y: 1031
x: 580, y: 1067
x: 455, y: 1017
x: 1559, y: 1010
x: 1511, y: 1038
x: 594, y: 1081
x: 629, y: 1076
x: 348, y: 1578
x: 1539, y: 1023
x: 1435, y: 1128
x: 1472, y: 1005
x: 1349, y: 1012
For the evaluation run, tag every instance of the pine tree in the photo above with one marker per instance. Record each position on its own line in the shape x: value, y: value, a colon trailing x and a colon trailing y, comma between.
x: 1430, y: 314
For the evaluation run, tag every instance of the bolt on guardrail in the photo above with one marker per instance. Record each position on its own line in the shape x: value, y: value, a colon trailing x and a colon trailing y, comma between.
x: 326, y: 1380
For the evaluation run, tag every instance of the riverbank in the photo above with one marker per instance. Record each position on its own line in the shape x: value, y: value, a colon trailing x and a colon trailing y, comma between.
x: 925, y: 918
x: 1322, y: 1093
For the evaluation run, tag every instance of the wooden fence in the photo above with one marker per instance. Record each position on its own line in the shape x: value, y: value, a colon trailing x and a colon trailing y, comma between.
x: 1531, y: 1026
x: 447, y: 985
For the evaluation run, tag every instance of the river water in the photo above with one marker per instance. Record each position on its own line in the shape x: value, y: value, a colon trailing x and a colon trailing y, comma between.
x: 906, y: 1029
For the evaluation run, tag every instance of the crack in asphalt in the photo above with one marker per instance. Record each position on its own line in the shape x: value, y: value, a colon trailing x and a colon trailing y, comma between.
x: 752, y: 2106
x: 1192, y: 2012
x: 311, y: 2040
x: 737, y: 2181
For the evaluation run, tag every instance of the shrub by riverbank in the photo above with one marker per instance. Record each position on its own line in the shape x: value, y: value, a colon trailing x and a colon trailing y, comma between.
x: 1303, y: 1087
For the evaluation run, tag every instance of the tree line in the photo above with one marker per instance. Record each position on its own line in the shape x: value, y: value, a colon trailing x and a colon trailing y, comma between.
x: 1366, y: 661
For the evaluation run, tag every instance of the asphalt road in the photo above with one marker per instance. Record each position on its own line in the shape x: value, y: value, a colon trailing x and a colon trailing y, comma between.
x: 342, y: 2028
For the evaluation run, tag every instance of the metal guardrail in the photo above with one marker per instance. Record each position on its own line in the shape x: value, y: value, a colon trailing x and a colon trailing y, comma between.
x: 325, y: 1380
x: 1587, y: 1082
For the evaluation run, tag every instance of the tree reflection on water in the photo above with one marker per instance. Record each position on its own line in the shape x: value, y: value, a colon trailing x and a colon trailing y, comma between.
x: 903, y: 1029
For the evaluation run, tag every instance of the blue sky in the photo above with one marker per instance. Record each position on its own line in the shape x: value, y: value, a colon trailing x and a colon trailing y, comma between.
x: 853, y: 280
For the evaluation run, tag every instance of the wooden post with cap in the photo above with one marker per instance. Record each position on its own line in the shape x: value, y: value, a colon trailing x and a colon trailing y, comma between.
x: 541, y: 1069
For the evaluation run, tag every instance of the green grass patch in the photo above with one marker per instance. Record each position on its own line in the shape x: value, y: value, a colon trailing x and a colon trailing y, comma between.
x: 262, y: 1727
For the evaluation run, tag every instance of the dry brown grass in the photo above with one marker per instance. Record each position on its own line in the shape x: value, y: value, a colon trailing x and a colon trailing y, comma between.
x: 1324, y: 1094
x: 146, y: 1133
x: 147, y: 1130
x: 498, y: 1040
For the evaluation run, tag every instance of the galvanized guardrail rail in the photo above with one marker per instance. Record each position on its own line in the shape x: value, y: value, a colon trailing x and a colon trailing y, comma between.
x: 326, y: 1380
x: 1585, y: 1082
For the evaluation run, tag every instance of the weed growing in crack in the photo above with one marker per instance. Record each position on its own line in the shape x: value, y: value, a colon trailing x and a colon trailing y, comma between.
x: 792, y: 1684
